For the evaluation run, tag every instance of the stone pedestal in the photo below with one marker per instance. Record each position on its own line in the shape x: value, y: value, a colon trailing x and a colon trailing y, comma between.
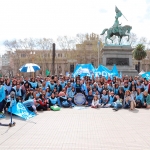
x: 121, y: 56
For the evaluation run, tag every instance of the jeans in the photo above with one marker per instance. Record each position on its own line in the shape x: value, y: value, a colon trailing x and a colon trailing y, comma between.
x: 127, y: 105
x: 59, y: 103
x: 2, y: 105
x: 117, y: 105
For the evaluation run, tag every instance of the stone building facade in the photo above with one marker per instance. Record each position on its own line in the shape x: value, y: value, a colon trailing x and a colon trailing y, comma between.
x: 65, y: 60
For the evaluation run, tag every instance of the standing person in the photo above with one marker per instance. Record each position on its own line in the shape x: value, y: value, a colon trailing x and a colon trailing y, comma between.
x: 58, y: 86
x: 19, y: 93
x: 3, y: 94
x: 8, y: 86
x: 33, y: 83
x: 62, y: 83
x: 116, y: 88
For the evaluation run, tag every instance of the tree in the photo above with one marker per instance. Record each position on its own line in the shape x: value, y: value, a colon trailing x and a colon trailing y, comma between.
x: 30, y: 44
x: 139, y: 53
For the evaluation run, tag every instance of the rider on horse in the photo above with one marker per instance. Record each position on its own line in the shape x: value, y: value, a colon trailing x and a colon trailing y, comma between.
x: 117, y: 27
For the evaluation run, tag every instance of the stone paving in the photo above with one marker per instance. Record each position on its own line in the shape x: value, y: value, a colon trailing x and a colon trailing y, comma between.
x: 85, y: 129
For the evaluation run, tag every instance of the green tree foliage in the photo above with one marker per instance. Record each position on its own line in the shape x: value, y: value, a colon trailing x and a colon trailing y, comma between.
x: 139, y: 52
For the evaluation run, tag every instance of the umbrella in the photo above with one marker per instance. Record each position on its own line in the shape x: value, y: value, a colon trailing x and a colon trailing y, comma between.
x: 146, y: 75
x: 29, y: 67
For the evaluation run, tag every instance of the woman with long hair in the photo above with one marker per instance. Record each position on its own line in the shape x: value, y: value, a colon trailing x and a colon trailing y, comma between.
x: 129, y: 100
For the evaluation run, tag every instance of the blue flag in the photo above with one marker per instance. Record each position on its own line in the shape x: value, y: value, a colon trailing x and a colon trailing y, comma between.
x: 20, y: 110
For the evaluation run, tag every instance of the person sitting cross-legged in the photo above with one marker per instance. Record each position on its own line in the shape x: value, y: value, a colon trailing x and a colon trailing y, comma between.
x: 139, y: 98
x: 118, y: 103
x: 146, y: 99
x: 129, y: 100
x: 89, y: 99
x: 111, y: 100
x: 104, y: 98
x: 95, y: 102
x: 52, y: 100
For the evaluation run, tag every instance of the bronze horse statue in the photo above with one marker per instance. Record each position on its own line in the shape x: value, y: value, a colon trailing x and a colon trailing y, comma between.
x: 120, y: 32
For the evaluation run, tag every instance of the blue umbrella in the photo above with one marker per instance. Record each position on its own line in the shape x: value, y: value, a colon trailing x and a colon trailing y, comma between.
x: 30, y: 67
x: 146, y: 75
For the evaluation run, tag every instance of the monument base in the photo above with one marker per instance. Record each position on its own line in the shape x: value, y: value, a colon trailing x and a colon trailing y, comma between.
x: 121, y: 56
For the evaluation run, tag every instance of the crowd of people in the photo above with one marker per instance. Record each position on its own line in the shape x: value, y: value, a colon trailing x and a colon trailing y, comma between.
x: 40, y: 93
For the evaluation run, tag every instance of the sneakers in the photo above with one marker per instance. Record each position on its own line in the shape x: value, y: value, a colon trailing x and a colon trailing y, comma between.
x: 115, y: 109
x: 102, y: 105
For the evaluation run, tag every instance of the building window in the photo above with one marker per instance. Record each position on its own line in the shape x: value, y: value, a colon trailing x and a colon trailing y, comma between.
x: 71, y: 68
x: 23, y: 55
x: 59, y: 55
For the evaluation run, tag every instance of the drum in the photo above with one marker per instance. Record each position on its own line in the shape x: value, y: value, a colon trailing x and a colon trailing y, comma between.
x: 79, y: 99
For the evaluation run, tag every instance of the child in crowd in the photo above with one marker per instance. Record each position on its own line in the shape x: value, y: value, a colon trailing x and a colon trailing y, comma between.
x: 95, y: 102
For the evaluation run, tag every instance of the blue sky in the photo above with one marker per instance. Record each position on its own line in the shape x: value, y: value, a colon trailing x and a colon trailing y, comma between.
x: 53, y: 18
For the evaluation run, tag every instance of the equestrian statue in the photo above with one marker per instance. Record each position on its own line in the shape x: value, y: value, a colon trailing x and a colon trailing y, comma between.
x: 117, y: 29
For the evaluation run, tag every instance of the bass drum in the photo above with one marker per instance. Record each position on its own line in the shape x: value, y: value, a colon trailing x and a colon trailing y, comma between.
x: 79, y: 99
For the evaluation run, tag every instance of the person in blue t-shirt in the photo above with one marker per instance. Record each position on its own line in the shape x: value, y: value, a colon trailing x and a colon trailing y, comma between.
x: 52, y: 100
x: 89, y: 98
x: 139, y: 98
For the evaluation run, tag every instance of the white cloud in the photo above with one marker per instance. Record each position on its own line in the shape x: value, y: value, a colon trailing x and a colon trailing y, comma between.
x: 51, y: 18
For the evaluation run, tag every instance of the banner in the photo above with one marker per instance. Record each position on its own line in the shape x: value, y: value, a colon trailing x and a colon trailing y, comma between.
x: 84, y: 70
x: 103, y: 71
x: 146, y: 75
x: 20, y: 110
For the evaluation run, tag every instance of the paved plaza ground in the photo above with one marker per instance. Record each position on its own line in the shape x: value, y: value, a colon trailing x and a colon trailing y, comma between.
x: 84, y: 129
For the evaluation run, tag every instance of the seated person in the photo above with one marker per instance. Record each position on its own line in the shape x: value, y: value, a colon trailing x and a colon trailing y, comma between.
x: 111, y: 99
x: 52, y: 100
x: 31, y: 105
x: 104, y: 98
x: 89, y: 98
x: 98, y: 95
x: 3, y: 94
x: 139, y: 98
x: 146, y: 99
x: 118, y: 103
x: 129, y: 100
x: 71, y: 94
x: 43, y: 103
x: 29, y: 94
x: 95, y: 102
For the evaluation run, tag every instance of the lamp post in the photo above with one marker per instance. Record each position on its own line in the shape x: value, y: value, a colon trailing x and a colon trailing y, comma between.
x: 32, y: 54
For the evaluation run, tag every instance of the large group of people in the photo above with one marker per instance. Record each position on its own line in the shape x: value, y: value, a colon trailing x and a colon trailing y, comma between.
x: 40, y: 93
